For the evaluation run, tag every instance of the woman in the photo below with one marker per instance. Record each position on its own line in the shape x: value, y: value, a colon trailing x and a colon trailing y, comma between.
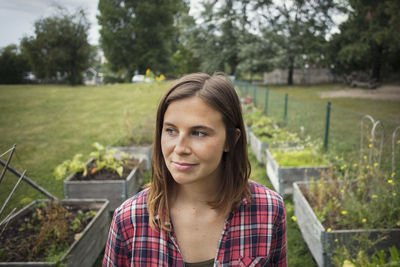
x: 200, y: 188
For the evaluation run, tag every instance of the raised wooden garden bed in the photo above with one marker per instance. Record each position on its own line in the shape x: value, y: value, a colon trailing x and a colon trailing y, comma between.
x: 258, y: 147
x: 115, y: 190
x: 138, y: 152
x: 248, y: 130
x: 320, y: 242
x: 282, y: 178
x: 87, y: 245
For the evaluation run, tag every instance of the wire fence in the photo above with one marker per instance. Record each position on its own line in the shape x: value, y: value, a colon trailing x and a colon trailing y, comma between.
x: 348, y: 134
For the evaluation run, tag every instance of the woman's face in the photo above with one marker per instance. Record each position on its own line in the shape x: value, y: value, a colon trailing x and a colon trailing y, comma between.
x: 193, y: 141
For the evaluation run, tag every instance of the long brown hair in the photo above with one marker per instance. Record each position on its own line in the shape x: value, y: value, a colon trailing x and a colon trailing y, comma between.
x: 218, y: 92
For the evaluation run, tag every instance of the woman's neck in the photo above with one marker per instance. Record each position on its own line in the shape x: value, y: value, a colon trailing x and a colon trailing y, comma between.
x: 193, y: 194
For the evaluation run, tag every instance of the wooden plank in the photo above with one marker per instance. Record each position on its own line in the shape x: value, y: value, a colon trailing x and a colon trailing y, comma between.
x: 85, y: 250
x: 322, y: 243
x: 88, y: 247
x: 257, y: 147
x: 282, y: 178
x: 310, y: 227
x: 116, y: 191
x: 138, y: 152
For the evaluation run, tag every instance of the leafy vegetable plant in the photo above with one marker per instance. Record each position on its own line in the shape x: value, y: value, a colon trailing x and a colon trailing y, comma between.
x: 299, y: 158
x: 103, y: 160
x: 266, y: 129
x: 356, y: 195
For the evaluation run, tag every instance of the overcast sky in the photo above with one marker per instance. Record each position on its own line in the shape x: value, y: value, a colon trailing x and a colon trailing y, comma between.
x: 17, y: 17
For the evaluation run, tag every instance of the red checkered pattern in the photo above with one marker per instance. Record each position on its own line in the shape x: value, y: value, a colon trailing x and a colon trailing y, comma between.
x: 255, y: 235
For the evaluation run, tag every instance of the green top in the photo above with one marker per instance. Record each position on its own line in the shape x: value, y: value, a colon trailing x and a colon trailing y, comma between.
x: 207, y: 263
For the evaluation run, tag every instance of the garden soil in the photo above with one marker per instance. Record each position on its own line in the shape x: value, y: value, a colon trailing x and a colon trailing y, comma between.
x: 40, y: 232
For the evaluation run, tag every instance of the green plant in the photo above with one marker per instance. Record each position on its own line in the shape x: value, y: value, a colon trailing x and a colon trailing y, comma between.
x: 42, y: 234
x: 105, y: 160
x: 299, y: 158
x: 69, y: 166
x: 299, y: 254
x: 343, y: 257
x: 255, y: 117
x: 356, y: 195
x: 80, y: 218
x: 276, y: 136
x: 102, y: 160
x: 266, y: 129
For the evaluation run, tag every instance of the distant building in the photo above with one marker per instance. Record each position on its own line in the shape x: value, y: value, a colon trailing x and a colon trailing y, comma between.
x: 92, y: 77
x: 300, y: 76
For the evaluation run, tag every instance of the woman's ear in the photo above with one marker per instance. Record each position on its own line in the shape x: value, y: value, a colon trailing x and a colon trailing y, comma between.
x: 238, y: 133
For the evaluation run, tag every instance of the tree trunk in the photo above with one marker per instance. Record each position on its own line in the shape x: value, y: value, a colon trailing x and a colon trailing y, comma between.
x: 290, y: 75
x: 290, y: 72
x: 377, y: 63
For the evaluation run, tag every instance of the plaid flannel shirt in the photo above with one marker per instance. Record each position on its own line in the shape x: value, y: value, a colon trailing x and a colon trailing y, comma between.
x: 254, y: 235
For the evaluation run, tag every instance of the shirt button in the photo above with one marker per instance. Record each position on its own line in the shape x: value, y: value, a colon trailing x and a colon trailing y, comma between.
x: 217, y: 263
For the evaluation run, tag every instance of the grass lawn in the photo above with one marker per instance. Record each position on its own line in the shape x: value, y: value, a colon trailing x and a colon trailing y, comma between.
x: 307, y: 110
x: 298, y: 253
x: 382, y: 109
x: 50, y: 124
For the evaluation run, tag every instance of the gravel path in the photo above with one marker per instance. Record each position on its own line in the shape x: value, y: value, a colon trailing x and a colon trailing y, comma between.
x: 386, y: 92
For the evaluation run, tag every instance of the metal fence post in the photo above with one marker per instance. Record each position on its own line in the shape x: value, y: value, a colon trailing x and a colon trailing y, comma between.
x: 285, y: 111
x: 266, y: 101
x: 328, y: 116
x: 254, y: 95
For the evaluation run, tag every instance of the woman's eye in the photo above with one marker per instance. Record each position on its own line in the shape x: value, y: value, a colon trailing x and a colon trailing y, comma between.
x: 170, y: 131
x: 199, y: 133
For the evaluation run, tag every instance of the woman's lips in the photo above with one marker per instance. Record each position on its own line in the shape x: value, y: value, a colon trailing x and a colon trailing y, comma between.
x: 181, y: 166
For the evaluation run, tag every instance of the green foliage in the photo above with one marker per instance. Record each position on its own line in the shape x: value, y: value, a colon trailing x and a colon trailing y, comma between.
x: 356, y: 196
x: 59, y: 48
x: 343, y: 257
x: 70, y: 166
x: 183, y: 61
x: 267, y: 130
x: 103, y: 160
x: 298, y: 29
x: 257, y: 54
x: 13, y: 65
x: 46, y: 233
x: 136, y: 35
x: 81, y: 218
x: 217, y: 40
x: 298, y: 253
x: 299, y: 158
x: 369, y: 40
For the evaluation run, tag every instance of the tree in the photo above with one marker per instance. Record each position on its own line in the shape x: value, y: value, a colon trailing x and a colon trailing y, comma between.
x: 369, y: 40
x: 301, y: 27
x: 13, y: 65
x: 137, y: 35
x: 183, y: 60
x: 59, y: 47
x: 257, y: 53
x: 216, y: 40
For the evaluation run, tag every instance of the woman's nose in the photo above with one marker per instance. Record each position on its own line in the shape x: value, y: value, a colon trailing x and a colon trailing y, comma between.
x: 182, y: 146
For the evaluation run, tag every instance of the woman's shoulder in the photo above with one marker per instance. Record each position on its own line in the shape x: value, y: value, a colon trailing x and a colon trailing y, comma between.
x: 262, y: 195
x: 133, y: 208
